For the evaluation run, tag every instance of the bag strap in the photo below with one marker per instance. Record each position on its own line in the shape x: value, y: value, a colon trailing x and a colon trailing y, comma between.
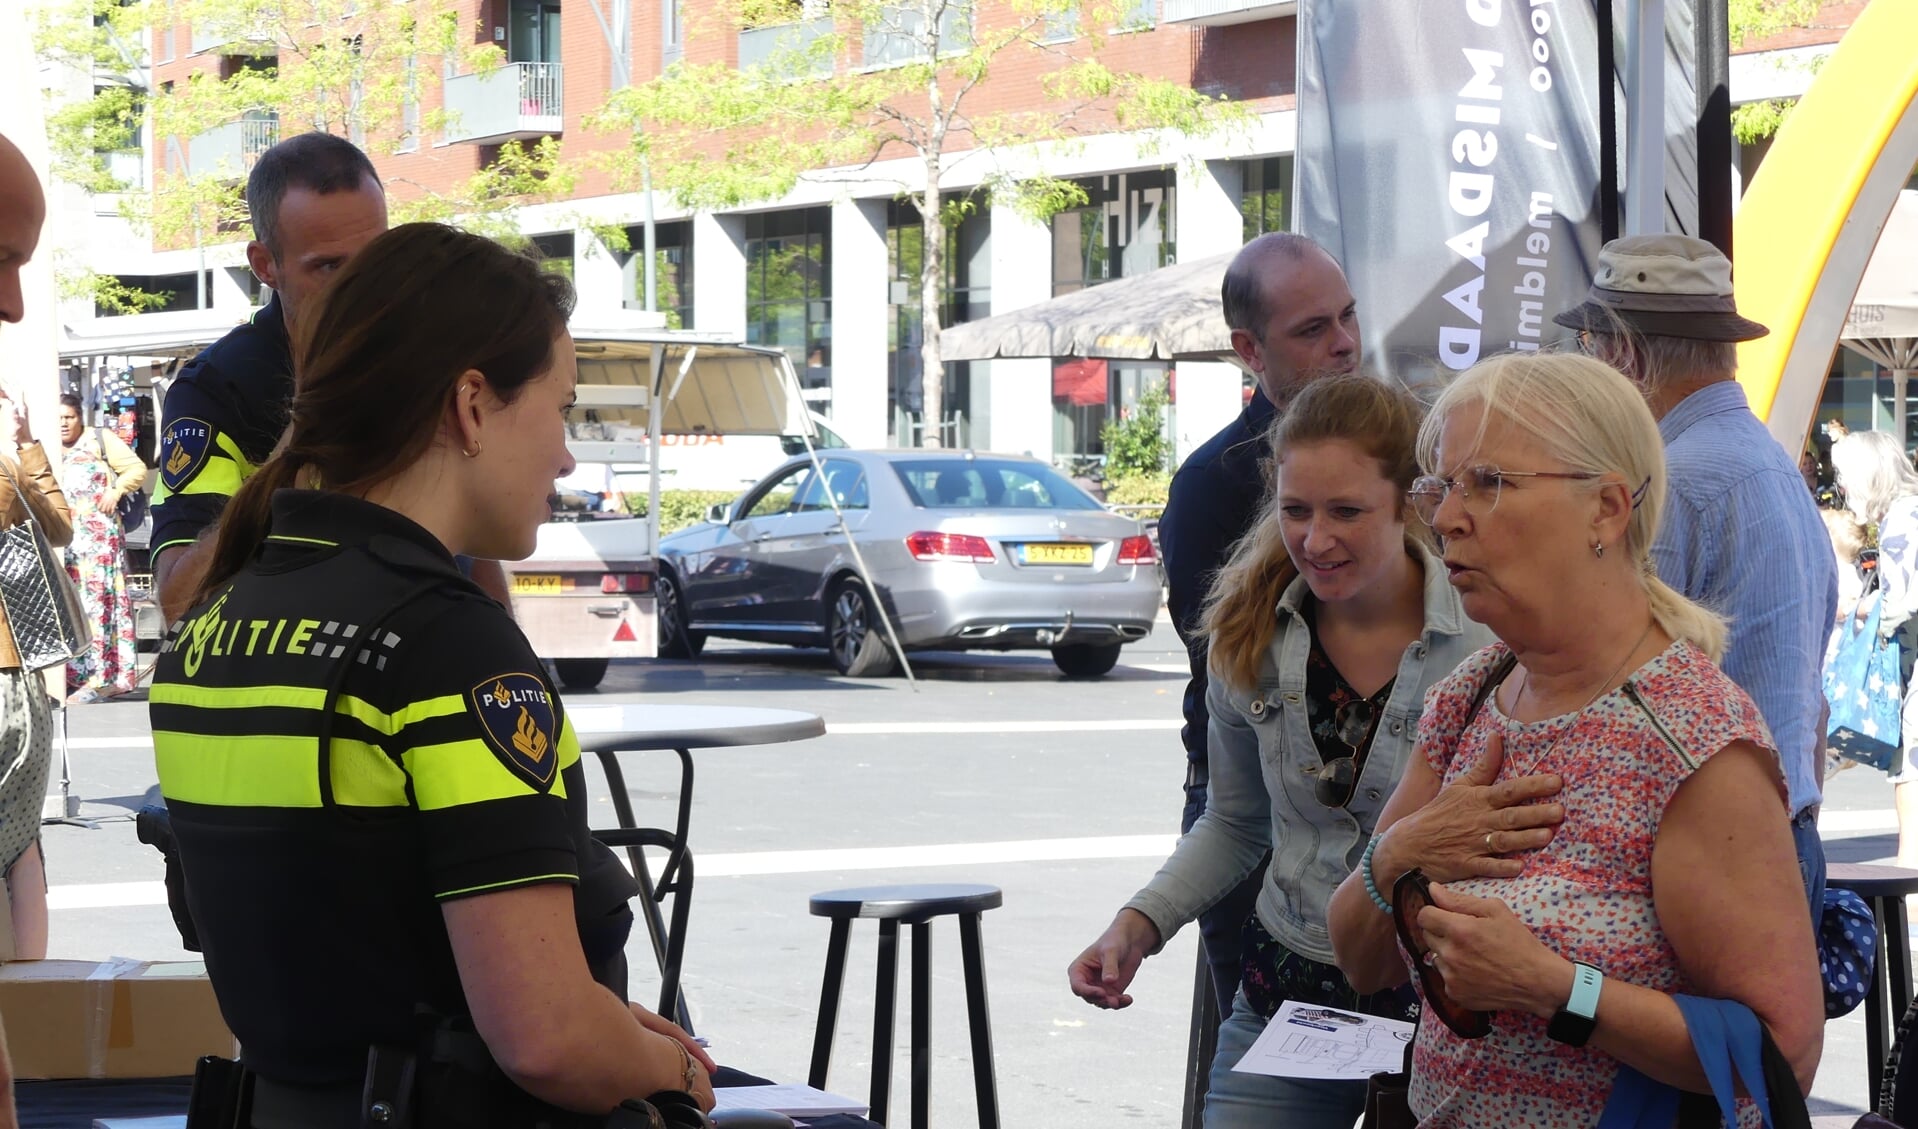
x: 1730, y: 1043
x: 17, y: 492
x: 1493, y: 680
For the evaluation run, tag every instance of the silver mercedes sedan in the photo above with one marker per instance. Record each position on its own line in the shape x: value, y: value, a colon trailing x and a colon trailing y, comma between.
x: 968, y: 551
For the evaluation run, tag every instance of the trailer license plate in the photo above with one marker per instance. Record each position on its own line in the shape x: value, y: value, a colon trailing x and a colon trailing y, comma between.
x: 536, y: 584
x: 1059, y: 554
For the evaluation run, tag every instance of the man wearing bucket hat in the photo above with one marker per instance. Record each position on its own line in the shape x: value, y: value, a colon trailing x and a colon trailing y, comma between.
x: 1741, y: 534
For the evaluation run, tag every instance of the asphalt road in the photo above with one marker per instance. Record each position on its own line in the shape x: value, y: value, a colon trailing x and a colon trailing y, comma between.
x: 996, y: 769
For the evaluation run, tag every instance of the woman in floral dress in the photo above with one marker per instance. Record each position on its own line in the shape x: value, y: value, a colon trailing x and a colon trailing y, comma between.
x: 97, y: 470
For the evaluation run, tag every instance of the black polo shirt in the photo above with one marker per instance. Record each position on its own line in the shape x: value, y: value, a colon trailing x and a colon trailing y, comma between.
x: 316, y: 862
x: 1214, y: 500
x: 221, y: 418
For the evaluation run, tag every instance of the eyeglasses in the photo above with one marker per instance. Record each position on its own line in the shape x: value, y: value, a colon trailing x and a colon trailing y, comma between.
x: 1338, y: 778
x: 1410, y: 894
x: 1478, y: 486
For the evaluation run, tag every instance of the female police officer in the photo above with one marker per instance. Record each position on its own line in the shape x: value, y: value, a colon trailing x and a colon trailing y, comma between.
x: 376, y: 794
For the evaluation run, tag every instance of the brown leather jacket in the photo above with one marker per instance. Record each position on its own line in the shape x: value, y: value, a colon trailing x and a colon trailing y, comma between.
x: 39, y: 492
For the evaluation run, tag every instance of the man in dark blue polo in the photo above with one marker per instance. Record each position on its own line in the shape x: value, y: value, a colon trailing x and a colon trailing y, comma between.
x: 1292, y: 318
x: 314, y: 201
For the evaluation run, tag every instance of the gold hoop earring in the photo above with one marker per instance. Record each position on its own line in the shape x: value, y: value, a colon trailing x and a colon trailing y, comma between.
x: 472, y: 454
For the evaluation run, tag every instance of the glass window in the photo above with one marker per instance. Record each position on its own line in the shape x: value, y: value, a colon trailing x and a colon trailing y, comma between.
x: 672, y: 41
x: 777, y: 497
x: 672, y: 270
x: 789, y: 292
x: 958, y: 483
x: 1266, y: 203
x: 968, y: 295
x: 532, y: 32
x: 894, y: 37
x: 555, y: 251
x: 1124, y: 229
x: 847, y: 481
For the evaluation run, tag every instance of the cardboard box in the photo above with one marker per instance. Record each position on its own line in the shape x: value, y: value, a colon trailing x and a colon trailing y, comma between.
x: 112, y: 1019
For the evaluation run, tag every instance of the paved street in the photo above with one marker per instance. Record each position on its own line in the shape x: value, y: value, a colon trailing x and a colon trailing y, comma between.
x: 996, y: 770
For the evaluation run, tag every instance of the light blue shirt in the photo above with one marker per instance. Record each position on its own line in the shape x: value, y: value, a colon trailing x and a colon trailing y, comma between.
x: 1742, y: 536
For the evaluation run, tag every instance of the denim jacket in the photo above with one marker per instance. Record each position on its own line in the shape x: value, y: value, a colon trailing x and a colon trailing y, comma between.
x: 1263, y: 776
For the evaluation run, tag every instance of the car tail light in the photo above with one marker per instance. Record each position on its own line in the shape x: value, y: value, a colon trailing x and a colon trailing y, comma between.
x: 1136, y: 551
x: 628, y: 582
x: 950, y: 547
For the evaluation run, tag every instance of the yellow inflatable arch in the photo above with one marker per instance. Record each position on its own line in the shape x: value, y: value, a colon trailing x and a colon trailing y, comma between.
x: 1811, y: 216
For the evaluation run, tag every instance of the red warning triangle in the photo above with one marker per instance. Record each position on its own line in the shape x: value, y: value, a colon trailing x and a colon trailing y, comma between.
x: 625, y: 633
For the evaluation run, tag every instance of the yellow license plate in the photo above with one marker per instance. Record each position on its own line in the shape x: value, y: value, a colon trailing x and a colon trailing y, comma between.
x: 1059, y: 554
x: 536, y: 585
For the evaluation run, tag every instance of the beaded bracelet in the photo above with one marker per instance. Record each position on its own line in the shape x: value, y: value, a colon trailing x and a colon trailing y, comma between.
x: 1365, y: 871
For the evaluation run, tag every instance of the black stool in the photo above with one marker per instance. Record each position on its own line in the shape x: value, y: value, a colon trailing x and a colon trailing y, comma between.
x: 916, y: 906
x: 1885, y: 889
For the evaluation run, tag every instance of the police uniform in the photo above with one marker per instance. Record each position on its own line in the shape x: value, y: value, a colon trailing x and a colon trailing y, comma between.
x: 348, y: 735
x: 223, y: 415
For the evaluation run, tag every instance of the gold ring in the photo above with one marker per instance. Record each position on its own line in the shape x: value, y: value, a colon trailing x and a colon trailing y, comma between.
x: 1488, y: 843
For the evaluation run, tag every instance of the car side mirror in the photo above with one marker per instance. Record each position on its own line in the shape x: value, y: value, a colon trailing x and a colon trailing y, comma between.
x: 719, y: 513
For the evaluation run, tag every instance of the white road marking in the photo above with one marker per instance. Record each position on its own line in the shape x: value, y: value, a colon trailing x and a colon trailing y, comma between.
x: 115, y: 895
x: 1863, y: 821
x: 846, y: 729
x: 739, y: 864
x: 871, y: 728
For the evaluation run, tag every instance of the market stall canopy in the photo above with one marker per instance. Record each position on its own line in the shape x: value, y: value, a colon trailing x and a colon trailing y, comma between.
x: 709, y: 383
x: 1883, y: 323
x: 177, y: 334
x: 1169, y: 314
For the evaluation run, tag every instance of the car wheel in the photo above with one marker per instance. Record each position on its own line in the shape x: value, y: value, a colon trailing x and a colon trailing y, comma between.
x: 579, y: 674
x: 853, y: 634
x: 676, y: 640
x: 1085, y: 660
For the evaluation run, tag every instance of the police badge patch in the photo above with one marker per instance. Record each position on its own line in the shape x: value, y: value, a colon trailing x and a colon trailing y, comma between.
x: 184, y: 447
x: 516, y: 714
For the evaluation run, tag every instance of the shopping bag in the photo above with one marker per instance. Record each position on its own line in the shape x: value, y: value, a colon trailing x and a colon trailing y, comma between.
x: 1865, y: 689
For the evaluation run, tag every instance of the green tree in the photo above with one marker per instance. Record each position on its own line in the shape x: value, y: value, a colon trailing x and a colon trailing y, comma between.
x: 859, y: 80
x: 1135, y: 443
x: 357, y: 68
x: 1759, y: 19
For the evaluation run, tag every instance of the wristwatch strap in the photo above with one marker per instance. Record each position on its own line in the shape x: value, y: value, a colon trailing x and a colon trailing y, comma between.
x: 1586, y: 981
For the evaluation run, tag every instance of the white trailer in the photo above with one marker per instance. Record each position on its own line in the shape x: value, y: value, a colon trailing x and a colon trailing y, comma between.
x: 585, y: 595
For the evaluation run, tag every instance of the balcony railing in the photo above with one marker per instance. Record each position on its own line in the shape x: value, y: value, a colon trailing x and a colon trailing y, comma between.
x: 514, y: 102
x: 225, y: 35
x: 229, y: 150
x: 895, y: 37
x: 1217, y: 13
x: 788, y: 46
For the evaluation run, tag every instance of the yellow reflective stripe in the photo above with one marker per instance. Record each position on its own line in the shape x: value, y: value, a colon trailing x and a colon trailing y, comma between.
x: 302, y: 697
x: 466, y: 772
x: 271, y: 770
x: 495, y: 887
x: 568, y: 745
x: 235, y: 697
x: 302, y: 540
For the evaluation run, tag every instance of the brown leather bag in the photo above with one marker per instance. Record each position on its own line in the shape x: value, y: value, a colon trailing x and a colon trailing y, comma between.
x: 1387, y: 1099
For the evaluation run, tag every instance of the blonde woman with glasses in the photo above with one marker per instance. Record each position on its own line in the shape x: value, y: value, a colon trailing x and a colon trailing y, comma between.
x: 1329, y: 622
x: 1673, y: 869
x: 1881, y: 489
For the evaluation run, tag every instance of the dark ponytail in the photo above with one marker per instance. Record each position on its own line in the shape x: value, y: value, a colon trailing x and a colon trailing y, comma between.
x: 376, y: 363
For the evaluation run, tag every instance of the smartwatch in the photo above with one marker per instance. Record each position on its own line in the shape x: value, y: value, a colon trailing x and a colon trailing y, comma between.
x: 1574, y: 1023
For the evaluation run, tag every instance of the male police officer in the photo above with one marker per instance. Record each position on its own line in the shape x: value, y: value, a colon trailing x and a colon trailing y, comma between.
x: 315, y: 200
x: 22, y: 209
